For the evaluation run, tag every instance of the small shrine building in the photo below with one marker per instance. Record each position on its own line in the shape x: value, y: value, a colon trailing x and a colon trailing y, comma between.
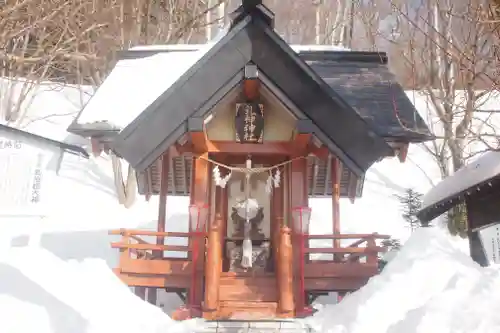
x: 249, y: 128
x: 477, y: 186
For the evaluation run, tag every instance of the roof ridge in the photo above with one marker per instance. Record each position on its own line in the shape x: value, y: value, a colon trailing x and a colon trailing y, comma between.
x: 353, y: 56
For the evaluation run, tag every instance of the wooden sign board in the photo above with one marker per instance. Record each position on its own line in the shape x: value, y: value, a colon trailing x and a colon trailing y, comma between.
x: 249, y: 122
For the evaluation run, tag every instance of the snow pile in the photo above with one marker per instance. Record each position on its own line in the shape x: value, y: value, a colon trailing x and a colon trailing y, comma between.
x: 72, y: 297
x: 431, y: 286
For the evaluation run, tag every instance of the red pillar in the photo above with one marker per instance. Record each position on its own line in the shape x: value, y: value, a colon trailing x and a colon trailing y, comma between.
x: 162, y: 207
x: 336, y: 176
x: 298, y: 194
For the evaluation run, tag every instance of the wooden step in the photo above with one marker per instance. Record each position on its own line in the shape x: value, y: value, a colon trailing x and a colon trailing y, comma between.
x: 248, y: 288
x: 247, y: 310
x: 254, y: 326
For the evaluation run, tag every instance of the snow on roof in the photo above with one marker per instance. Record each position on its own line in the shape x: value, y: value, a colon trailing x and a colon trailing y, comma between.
x: 134, y: 84
x: 167, y: 47
x: 314, y: 47
x: 476, y: 173
x: 460, y: 297
x: 196, y: 47
x: 119, y: 102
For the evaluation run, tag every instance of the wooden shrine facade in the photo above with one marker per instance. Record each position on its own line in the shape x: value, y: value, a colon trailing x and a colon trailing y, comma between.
x: 212, y: 280
x: 250, y: 132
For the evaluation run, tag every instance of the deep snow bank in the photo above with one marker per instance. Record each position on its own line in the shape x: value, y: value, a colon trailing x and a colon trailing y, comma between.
x: 41, y: 293
x: 431, y: 286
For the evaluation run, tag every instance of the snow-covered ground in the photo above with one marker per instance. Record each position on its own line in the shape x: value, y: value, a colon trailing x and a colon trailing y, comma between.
x: 41, y: 293
x: 431, y: 286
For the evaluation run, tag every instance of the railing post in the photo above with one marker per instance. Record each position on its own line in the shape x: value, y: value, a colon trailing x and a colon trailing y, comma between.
x: 371, y: 258
x: 213, y: 268
x: 125, y: 252
x: 124, y: 258
x: 285, y: 273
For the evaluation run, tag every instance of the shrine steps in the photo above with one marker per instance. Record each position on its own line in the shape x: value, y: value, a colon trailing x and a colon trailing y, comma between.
x: 244, y: 296
x: 254, y: 326
x: 247, y: 310
x: 256, y: 288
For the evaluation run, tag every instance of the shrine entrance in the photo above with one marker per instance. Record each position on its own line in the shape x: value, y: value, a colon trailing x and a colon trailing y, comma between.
x: 249, y: 278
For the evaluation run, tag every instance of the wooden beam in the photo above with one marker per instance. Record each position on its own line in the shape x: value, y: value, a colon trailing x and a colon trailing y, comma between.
x: 199, y: 141
x: 403, y: 152
x: 155, y: 281
x: 270, y: 148
x: 301, y: 143
x: 335, y: 284
x: 349, y: 236
x: 353, y: 186
x: 200, y: 195
x: 171, y: 171
x: 298, y: 184
x: 347, y: 250
x: 336, y: 177
x: 328, y: 174
x: 153, y: 247
x: 156, y: 267
x: 174, y: 151
x: 339, y: 270
x: 140, y: 232
x: 321, y: 152
x: 285, y: 273
x: 184, y: 177
x: 298, y: 198
x: 162, y: 207
x: 251, y: 89
x: 283, y: 254
x: 213, y: 268
x: 180, y: 150
x: 314, y: 170
x: 265, y: 160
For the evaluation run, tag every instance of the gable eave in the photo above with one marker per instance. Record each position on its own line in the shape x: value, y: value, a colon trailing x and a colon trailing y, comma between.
x: 322, y: 137
x: 151, y: 133
x: 363, y: 145
x: 210, y: 55
x: 141, y: 142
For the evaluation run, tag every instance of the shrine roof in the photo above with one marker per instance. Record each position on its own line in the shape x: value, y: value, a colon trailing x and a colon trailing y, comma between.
x: 466, y: 183
x: 17, y: 134
x: 351, y: 97
x: 365, y: 82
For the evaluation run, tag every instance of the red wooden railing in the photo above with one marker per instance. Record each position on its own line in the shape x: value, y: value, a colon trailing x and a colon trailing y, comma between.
x: 346, y: 270
x: 132, y: 244
x: 351, y: 253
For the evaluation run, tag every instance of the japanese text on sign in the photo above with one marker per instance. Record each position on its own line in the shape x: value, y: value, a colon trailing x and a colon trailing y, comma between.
x: 10, y: 144
x: 249, y: 122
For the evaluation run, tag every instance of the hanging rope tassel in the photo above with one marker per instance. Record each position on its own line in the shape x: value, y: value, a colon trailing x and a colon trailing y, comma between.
x: 125, y: 190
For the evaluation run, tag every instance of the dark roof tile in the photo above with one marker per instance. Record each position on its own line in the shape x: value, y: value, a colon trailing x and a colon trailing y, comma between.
x: 372, y: 90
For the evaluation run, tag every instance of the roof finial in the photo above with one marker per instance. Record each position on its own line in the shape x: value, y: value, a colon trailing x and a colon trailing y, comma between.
x: 250, y: 4
x: 254, y: 8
